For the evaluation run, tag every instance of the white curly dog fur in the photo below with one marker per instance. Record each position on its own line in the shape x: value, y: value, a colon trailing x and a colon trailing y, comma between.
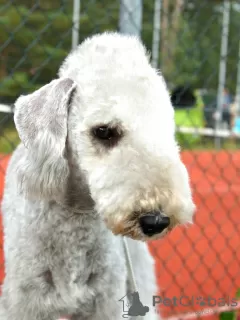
x: 98, y: 152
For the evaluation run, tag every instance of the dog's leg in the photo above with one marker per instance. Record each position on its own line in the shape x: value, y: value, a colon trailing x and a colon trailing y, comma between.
x: 17, y: 314
x: 152, y: 316
x: 27, y: 302
x: 3, y: 314
x: 13, y: 313
x: 110, y: 311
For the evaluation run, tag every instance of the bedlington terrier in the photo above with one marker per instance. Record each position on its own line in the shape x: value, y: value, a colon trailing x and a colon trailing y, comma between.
x: 98, y: 161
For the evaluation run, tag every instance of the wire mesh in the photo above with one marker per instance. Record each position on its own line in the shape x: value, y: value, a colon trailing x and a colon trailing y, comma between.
x: 197, y: 267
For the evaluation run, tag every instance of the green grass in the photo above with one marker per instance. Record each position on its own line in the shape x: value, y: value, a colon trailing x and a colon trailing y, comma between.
x: 209, y: 144
x: 8, y: 140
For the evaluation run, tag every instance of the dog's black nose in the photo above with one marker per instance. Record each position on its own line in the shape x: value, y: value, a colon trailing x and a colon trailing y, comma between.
x: 153, y: 223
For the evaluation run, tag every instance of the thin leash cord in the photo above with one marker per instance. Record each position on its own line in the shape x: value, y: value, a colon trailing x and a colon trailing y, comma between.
x: 129, y: 266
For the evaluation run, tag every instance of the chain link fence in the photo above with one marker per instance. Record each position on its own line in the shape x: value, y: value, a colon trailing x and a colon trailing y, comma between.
x: 196, y: 45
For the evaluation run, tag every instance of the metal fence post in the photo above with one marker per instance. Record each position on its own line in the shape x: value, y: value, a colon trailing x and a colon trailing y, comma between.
x: 76, y: 23
x: 156, y: 32
x: 130, y: 21
x: 222, y: 68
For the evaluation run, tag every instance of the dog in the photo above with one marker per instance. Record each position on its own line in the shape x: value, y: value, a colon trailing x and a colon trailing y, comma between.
x: 98, y: 160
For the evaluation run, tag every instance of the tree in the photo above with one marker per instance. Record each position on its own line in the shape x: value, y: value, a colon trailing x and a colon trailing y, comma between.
x: 171, y: 24
x: 195, y: 54
x: 31, y: 52
x: 35, y: 37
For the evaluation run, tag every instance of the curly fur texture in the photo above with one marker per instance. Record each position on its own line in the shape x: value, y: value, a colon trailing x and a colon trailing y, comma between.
x: 68, y: 198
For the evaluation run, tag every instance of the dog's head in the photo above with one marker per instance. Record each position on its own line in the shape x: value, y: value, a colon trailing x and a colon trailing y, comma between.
x: 112, y: 111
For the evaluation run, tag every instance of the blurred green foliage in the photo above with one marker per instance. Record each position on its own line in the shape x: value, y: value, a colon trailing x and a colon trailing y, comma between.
x: 36, y: 36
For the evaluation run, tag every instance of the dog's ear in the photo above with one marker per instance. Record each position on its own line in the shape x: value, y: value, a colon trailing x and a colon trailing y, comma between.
x: 41, y: 120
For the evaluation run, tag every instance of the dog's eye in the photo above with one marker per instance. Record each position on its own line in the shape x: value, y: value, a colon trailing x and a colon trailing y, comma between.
x: 107, y: 135
x: 104, y: 133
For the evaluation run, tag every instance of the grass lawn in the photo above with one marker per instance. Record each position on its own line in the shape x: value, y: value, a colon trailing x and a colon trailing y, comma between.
x: 208, y: 143
x: 8, y: 140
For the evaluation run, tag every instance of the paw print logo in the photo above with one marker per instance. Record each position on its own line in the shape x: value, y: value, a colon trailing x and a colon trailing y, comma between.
x: 133, y: 306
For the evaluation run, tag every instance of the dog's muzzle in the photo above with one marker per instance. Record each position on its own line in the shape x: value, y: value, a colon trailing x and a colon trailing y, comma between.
x: 153, y: 223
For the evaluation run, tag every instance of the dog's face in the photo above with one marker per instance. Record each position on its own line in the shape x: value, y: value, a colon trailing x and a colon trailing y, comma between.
x: 115, y: 114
